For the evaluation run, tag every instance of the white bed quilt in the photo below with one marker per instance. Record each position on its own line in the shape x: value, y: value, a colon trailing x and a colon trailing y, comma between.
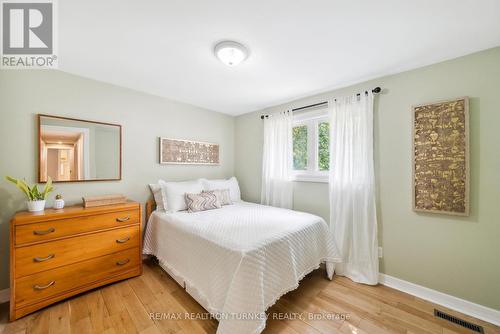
x: 240, y: 259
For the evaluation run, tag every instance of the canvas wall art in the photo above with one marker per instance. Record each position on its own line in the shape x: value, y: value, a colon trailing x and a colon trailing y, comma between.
x: 441, y: 157
x: 178, y: 151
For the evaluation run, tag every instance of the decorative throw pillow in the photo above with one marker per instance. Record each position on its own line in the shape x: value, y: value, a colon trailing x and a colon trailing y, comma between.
x: 158, y: 196
x: 223, y: 195
x: 201, y: 202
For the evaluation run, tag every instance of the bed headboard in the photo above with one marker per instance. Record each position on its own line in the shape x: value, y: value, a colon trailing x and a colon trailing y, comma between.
x: 150, y: 207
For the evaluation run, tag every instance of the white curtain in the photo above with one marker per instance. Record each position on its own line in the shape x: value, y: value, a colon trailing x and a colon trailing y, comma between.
x: 277, y: 187
x: 352, y: 187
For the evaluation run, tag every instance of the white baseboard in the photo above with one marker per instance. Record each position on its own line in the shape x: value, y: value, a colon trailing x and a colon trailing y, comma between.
x: 4, y: 295
x: 460, y: 305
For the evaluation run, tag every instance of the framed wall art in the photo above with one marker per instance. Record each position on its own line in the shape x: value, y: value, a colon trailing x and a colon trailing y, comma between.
x: 441, y: 157
x: 188, y: 152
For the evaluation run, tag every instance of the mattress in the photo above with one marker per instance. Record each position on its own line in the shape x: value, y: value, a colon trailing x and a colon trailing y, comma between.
x: 239, y: 260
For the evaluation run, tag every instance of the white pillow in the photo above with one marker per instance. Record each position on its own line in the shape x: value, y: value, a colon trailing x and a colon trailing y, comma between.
x: 158, y: 196
x: 174, y: 199
x: 231, y: 184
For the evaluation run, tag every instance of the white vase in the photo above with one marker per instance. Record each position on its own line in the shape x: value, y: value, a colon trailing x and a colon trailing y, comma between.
x: 35, y: 206
x: 59, y: 204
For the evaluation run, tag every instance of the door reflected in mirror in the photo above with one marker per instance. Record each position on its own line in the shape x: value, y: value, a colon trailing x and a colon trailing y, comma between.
x: 72, y: 150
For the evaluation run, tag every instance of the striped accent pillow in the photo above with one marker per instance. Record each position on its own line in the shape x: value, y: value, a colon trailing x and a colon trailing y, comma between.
x: 223, y: 195
x: 202, y: 202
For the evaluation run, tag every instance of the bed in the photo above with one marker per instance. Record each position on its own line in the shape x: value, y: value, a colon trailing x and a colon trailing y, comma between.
x: 238, y: 260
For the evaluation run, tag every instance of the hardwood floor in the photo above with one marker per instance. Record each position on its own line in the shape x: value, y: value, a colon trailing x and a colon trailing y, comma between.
x: 124, y: 307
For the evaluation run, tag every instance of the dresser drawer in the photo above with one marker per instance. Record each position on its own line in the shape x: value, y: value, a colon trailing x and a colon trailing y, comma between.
x: 52, y: 254
x: 33, y: 288
x: 53, y: 229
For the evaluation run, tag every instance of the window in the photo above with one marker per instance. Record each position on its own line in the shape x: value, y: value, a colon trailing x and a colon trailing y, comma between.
x: 300, y: 147
x: 311, y: 147
x: 323, y: 146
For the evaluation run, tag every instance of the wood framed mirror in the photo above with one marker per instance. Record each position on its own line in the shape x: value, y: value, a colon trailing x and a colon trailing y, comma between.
x: 75, y: 150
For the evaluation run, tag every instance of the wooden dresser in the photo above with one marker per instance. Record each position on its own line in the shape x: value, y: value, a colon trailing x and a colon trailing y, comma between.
x: 56, y: 254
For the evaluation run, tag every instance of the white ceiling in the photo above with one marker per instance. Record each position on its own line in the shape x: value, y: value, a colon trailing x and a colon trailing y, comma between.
x: 298, y: 47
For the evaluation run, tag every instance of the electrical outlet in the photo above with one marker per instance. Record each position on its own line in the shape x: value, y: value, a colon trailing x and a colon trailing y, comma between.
x: 380, y: 252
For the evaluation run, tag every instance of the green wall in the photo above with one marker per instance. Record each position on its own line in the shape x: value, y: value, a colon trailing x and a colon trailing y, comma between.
x: 143, y: 117
x: 454, y: 255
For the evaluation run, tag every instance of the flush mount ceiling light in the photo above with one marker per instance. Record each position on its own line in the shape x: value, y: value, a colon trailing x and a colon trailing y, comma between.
x: 231, y: 53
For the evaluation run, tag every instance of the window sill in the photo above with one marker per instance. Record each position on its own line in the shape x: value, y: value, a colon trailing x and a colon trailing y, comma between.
x: 310, y: 178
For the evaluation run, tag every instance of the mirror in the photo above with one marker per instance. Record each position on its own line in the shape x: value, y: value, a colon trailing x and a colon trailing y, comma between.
x: 73, y: 150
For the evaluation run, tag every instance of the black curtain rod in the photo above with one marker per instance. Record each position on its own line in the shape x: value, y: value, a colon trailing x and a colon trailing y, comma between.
x: 310, y: 106
x: 375, y: 90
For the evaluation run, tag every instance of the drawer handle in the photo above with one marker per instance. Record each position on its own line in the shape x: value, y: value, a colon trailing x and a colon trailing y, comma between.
x: 50, y: 230
x: 124, y: 219
x: 122, y: 262
x: 42, y: 259
x: 121, y: 241
x: 42, y: 287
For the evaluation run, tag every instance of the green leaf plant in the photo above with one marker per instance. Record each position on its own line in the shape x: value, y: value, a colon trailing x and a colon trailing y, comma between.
x: 32, y: 192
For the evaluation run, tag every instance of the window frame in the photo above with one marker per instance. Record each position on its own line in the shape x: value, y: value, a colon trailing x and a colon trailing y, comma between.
x: 311, y: 120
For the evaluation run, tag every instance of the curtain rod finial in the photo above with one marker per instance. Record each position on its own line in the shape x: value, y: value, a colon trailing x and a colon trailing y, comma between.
x: 377, y: 90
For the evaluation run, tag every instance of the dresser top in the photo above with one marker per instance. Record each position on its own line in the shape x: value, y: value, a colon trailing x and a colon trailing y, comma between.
x: 26, y: 217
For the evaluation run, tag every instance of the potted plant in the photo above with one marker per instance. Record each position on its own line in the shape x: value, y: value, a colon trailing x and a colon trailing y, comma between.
x: 36, y: 199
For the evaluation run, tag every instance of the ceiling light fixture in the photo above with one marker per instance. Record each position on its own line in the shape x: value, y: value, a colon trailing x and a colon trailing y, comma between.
x: 231, y: 53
